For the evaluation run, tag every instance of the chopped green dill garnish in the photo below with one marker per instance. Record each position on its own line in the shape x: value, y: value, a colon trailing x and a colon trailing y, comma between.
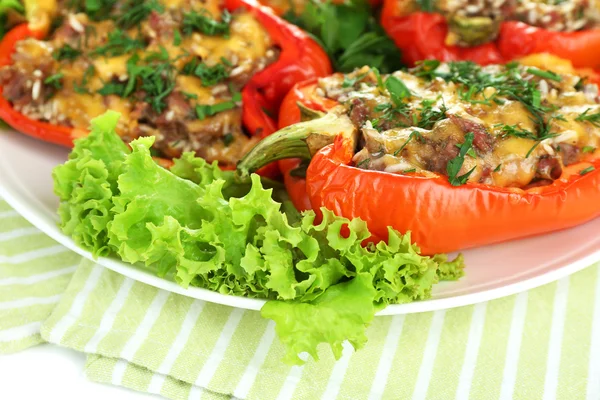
x: 380, y: 84
x: 587, y: 170
x: 588, y: 149
x: 81, y: 87
x: 209, y: 76
x: 366, y: 161
x: 96, y: 10
x: 162, y: 55
x: 426, y: 5
x: 155, y: 79
x: 350, y: 82
x: 413, y: 134
x: 203, y: 22
x: 55, y: 80
x: 90, y: 30
x: 498, y: 168
x: 593, y: 119
x: 204, y: 111
x: 545, y: 74
x: 135, y: 11
x: 382, y: 107
x: 176, y: 38
x: 228, y: 139
x: 515, y: 131
x: 190, y: 95
x: 117, y: 44
x: 226, y: 62
x: 454, y: 166
x: 426, y: 69
x: 429, y: 116
x: 66, y: 53
x: 113, y: 88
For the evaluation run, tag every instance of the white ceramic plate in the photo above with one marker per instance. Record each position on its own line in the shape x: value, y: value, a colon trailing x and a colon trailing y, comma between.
x: 492, y: 271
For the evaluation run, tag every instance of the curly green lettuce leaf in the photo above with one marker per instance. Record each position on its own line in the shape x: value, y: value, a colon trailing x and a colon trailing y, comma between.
x: 87, y: 183
x: 196, y: 223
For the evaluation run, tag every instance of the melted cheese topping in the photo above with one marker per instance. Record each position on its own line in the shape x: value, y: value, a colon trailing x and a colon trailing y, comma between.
x: 74, y: 97
x: 505, y: 151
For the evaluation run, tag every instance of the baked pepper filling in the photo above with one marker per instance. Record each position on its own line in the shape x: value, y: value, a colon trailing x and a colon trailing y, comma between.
x: 506, y: 126
x: 174, y: 69
x: 475, y: 22
x: 509, y: 126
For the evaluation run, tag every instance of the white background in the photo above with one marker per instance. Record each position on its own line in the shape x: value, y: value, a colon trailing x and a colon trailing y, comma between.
x: 52, y: 372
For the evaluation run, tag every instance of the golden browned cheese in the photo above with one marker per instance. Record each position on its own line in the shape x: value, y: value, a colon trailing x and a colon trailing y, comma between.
x: 246, y: 49
x: 402, y: 143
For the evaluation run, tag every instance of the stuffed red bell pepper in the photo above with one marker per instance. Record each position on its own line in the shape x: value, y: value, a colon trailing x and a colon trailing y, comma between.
x: 459, y: 154
x: 199, y: 76
x: 495, y: 31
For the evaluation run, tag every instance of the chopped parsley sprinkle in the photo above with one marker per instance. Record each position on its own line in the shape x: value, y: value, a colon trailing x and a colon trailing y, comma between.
x: 588, y: 149
x: 587, y: 170
x: 498, y: 168
x: 203, y: 22
x: 66, y: 53
x: 454, y: 166
x: 408, y: 171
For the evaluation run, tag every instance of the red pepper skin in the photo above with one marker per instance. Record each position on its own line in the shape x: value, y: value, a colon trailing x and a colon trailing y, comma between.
x: 300, y: 58
x: 41, y: 130
x: 441, y: 217
x: 422, y: 36
x: 518, y: 39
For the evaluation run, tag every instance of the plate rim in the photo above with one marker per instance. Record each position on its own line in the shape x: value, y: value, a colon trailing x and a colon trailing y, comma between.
x: 144, y: 275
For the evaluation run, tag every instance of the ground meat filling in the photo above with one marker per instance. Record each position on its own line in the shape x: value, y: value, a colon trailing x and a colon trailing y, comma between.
x: 173, y: 69
x: 475, y: 22
x: 506, y: 126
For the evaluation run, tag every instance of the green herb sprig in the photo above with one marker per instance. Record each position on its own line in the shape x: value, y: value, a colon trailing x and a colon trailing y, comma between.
x: 454, y: 166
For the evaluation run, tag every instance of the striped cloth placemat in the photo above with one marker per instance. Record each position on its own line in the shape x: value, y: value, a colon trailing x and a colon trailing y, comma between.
x: 542, y: 344
x: 34, y: 272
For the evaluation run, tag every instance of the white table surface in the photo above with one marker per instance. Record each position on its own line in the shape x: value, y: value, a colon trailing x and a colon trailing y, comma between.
x: 51, y: 372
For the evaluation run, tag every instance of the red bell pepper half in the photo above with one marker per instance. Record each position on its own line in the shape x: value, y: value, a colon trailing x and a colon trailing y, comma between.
x: 441, y: 217
x: 422, y: 36
x: 300, y: 58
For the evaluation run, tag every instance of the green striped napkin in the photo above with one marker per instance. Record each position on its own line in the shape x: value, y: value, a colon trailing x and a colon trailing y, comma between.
x: 34, y: 272
x: 544, y: 343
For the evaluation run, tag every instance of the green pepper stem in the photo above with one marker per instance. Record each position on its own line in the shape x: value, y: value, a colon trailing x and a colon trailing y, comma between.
x: 301, y: 140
